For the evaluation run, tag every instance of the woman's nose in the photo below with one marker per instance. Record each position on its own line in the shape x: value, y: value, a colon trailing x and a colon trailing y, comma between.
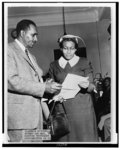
x: 69, y: 50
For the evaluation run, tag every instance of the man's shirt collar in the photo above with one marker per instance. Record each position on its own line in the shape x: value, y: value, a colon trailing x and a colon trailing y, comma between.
x: 20, y: 44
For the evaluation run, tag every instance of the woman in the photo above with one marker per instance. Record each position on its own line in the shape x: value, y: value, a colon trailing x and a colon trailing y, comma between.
x: 80, y: 109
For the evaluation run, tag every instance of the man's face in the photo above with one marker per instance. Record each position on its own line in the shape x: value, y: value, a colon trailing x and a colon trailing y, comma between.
x: 29, y: 36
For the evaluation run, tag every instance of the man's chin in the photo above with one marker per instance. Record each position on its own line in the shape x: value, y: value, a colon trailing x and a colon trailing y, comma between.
x: 30, y: 46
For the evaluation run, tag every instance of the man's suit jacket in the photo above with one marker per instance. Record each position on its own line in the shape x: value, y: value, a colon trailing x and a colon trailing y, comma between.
x: 24, y: 90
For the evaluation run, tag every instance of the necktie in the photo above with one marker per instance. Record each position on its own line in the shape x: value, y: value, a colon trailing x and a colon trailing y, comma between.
x: 28, y: 55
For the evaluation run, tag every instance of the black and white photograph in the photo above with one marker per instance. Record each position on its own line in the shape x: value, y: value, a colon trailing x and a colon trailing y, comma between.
x: 60, y: 74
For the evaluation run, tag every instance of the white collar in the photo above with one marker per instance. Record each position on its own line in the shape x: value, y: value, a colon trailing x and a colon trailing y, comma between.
x: 24, y: 48
x: 20, y: 44
x: 62, y: 61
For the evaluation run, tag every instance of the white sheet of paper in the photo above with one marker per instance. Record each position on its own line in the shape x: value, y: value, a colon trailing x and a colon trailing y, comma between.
x: 70, y: 85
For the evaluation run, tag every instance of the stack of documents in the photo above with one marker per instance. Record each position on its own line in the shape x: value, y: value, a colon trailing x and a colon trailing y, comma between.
x: 70, y: 86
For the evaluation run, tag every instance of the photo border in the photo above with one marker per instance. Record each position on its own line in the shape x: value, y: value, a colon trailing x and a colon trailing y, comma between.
x: 61, y: 144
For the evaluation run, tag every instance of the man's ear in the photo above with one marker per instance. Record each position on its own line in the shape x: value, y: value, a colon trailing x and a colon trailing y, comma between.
x: 22, y: 33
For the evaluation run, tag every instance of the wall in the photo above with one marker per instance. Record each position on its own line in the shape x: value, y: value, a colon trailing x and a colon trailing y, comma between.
x: 47, y: 42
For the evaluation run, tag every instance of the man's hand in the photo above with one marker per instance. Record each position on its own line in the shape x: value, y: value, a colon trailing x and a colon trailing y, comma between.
x: 52, y: 87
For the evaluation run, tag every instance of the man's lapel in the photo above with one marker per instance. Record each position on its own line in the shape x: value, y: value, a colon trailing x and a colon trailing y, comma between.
x: 20, y: 52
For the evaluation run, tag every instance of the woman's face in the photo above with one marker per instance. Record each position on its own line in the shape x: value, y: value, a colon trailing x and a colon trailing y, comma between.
x: 68, y: 49
x: 107, y: 83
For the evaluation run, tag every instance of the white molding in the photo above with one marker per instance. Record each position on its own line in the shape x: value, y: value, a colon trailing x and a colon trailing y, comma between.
x: 55, y: 18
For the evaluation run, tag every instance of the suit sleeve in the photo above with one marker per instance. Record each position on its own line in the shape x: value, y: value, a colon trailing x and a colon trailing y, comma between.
x: 19, y: 84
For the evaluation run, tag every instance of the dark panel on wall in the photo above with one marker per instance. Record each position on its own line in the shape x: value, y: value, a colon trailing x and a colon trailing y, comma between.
x: 81, y: 52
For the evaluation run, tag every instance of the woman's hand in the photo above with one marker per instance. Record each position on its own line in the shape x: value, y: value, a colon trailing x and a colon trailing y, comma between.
x: 57, y: 98
x: 84, y: 84
x: 91, y: 87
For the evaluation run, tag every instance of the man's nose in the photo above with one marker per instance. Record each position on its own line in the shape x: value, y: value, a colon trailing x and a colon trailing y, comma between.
x: 35, y: 38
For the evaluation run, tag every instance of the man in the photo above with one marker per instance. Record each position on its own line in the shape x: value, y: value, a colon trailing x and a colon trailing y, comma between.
x: 25, y: 85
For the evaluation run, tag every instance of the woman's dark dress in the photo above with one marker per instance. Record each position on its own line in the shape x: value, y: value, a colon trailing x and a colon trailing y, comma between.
x: 80, y: 110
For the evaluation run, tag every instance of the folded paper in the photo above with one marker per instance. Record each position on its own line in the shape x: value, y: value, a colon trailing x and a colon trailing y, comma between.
x: 71, y: 86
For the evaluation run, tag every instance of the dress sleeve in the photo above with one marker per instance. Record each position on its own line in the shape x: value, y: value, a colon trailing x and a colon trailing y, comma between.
x: 88, y: 70
x: 50, y: 73
x: 89, y: 73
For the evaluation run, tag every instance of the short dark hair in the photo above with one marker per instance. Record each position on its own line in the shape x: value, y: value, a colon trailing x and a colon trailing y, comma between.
x: 68, y: 39
x: 22, y: 25
x: 107, y: 78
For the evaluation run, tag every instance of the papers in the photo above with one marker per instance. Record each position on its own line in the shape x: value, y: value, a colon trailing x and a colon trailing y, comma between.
x: 70, y: 86
x: 73, y: 81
